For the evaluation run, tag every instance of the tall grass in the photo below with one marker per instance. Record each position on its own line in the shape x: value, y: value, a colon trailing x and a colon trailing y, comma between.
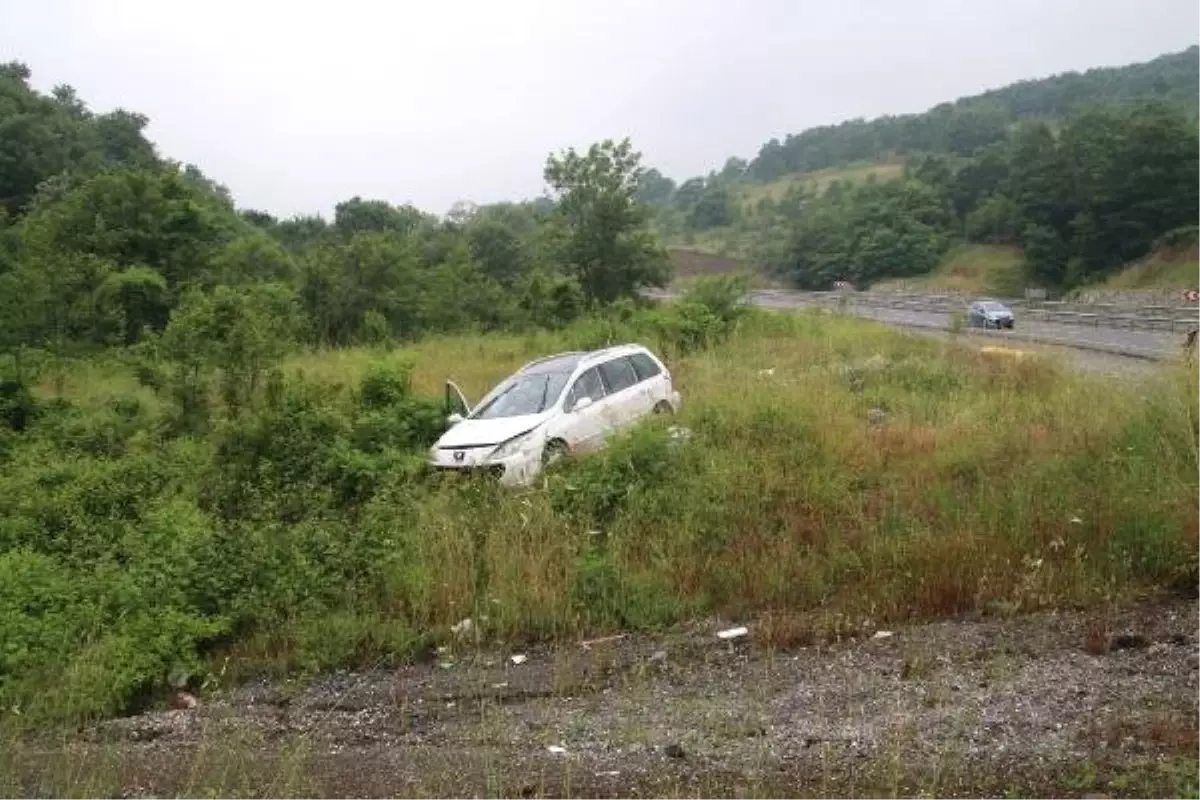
x: 838, y: 475
x: 990, y: 485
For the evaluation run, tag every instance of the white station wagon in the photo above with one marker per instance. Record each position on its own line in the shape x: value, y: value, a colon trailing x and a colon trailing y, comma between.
x: 565, y: 403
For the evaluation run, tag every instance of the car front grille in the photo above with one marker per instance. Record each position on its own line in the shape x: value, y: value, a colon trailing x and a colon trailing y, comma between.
x: 486, y: 470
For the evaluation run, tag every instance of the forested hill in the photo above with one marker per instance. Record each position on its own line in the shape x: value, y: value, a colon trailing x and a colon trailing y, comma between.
x: 1083, y: 171
x: 964, y: 126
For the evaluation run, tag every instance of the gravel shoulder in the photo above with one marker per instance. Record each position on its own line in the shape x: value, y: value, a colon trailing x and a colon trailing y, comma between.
x: 968, y: 707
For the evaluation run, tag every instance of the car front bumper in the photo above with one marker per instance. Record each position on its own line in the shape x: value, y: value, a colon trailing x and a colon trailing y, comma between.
x: 517, y: 469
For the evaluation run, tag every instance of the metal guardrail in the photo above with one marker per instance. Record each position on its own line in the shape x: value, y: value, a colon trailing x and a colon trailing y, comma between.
x: 850, y: 301
x: 1152, y: 318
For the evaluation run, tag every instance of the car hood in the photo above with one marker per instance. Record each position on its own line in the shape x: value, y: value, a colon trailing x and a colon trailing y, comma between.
x: 479, y: 432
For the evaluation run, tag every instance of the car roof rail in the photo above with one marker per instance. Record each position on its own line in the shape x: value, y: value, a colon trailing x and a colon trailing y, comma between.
x: 551, y: 358
x: 612, y: 348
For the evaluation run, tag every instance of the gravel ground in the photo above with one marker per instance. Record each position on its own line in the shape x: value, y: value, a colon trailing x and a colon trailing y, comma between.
x: 969, y: 707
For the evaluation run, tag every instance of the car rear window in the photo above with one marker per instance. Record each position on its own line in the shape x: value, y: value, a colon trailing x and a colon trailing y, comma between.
x: 644, y: 366
x: 618, y: 374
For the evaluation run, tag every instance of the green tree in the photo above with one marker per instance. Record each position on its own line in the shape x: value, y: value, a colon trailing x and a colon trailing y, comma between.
x: 135, y: 300
x: 713, y: 209
x: 688, y: 194
x: 341, y: 281
x: 655, y: 189
x: 357, y: 215
x: 497, y: 249
x: 1046, y: 254
x: 154, y: 218
x: 550, y: 301
x: 996, y: 221
x: 1131, y: 176
x: 240, y: 332
x: 250, y: 258
x: 865, y: 233
x: 606, y: 239
x: 300, y: 232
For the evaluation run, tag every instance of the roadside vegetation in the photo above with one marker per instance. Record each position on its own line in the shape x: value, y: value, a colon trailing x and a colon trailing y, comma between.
x: 835, y: 471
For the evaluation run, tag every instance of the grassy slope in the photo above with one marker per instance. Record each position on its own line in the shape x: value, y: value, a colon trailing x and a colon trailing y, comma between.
x: 986, y: 485
x: 1178, y: 269
x: 690, y: 264
x: 789, y: 500
x: 734, y: 243
x: 819, y: 180
x: 822, y: 506
x: 970, y: 269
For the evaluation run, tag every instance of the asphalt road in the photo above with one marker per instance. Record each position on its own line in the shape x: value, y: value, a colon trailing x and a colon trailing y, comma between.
x: 1152, y: 345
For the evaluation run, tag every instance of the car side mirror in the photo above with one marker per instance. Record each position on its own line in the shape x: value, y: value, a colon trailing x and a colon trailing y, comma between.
x: 581, y: 404
x: 454, y: 418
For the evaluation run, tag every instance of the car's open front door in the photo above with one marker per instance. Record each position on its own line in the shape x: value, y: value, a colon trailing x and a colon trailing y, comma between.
x: 456, y: 402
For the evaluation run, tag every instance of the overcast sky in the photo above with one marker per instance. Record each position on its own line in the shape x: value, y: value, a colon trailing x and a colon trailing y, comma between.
x: 297, y: 105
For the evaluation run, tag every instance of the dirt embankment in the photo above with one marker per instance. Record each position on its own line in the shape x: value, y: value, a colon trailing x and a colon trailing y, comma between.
x: 1050, y: 704
x: 693, y: 263
x: 690, y: 265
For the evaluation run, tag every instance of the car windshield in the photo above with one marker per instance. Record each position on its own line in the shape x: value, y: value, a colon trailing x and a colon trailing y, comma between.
x: 524, y: 394
x: 991, y: 305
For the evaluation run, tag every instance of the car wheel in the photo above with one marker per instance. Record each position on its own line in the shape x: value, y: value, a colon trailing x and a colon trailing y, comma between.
x: 555, y: 451
x: 663, y: 407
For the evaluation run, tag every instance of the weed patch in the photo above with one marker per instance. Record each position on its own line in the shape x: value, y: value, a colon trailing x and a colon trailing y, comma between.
x: 835, y: 472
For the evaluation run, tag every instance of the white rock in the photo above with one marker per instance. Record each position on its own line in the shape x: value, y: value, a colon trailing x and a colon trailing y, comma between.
x: 556, y: 749
x: 881, y: 634
x: 519, y: 658
x: 183, y: 701
x: 733, y: 633
x: 679, y: 433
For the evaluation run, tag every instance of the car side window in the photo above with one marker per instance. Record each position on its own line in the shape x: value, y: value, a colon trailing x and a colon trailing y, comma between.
x: 644, y: 366
x: 586, y: 385
x: 618, y: 374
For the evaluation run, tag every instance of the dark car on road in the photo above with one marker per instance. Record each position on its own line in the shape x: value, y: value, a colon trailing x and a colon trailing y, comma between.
x: 989, y: 314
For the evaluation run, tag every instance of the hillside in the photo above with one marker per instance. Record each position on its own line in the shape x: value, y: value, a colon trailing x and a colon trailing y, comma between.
x: 1045, y: 168
x: 1163, y: 269
x: 749, y: 194
x: 969, y: 269
x: 970, y: 123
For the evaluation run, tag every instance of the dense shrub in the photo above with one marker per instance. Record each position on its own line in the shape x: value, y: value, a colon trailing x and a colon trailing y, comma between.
x: 17, y: 406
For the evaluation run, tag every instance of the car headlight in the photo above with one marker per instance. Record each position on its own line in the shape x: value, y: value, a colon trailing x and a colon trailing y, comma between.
x: 514, y: 445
